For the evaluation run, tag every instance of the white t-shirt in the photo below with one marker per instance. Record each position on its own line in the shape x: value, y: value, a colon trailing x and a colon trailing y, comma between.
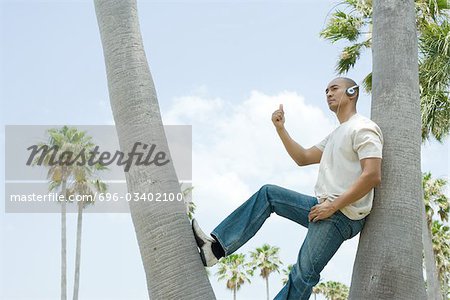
x: 354, y: 139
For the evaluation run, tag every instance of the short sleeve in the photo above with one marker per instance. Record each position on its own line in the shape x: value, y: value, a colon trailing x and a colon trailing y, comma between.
x: 322, y: 144
x: 368, y: 142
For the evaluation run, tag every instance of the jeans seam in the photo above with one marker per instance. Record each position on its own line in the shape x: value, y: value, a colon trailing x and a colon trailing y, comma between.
x: 309, y: 276
x: 293, y: 206
x: 348, y: 230
x: 253, y: 222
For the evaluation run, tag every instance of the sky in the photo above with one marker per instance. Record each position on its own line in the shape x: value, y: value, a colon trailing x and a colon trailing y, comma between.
x: 222, y: 67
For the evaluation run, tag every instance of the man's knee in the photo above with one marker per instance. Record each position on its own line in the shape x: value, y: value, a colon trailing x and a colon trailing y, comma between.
x: 268, y: 188
x: 304, y: 275
x: 266, y: 194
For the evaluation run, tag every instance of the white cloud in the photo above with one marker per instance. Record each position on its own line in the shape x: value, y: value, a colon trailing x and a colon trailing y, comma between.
x: 236, y: 148
x: 190, y: 109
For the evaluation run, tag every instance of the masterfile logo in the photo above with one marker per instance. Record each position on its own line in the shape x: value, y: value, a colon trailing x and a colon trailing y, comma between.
x: 87, y: 163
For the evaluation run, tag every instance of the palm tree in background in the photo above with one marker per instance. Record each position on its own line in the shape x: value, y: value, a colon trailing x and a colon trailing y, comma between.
x: 59, y: 174
x: 265, y: 258
x: 435, y: 199
x: 332, y: 290
x: 441, y: 247
x: 434, y: 76
x: 388, y: 262
x: 84, y: 185
x: 190, y: 205
x: 163, y: 230
x: 286, y: 273
x: 437, y: 213
x: 353, y: 24
x: 235, y: 271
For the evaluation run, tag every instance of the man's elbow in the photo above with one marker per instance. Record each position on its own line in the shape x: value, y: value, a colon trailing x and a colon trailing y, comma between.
x: 300, y: 163
x: 377, y: 180
x: 374, y: 179
x: 300, y: 160
x: 303, y: 162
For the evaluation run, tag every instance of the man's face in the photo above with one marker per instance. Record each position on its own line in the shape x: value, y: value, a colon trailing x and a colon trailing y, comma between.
x: 336, y: 96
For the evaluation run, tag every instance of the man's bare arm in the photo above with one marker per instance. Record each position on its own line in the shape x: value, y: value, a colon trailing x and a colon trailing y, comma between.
x: 299, y: 154
x: 369, y: 178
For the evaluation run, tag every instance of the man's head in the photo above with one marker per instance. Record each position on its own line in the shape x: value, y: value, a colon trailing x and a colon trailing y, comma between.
x: 338, y: 98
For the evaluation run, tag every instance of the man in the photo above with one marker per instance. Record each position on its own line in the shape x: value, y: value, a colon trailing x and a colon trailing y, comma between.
x: 350, y: 167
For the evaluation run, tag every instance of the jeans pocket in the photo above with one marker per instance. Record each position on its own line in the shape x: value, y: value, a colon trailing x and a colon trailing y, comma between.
x: 342, y: 225
x: 356, y: 226
x: 349, y: 227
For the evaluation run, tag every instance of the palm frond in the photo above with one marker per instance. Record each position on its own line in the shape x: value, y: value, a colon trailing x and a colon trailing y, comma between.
x: 367, y: 83
x: 342, y: 26
x: 350, y: 55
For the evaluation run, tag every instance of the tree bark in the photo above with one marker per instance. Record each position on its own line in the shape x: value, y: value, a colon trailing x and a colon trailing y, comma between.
x: 388, y: 263
x: 166, y: 242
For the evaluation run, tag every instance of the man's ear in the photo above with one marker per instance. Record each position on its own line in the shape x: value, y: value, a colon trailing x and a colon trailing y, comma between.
x: 354, y: 97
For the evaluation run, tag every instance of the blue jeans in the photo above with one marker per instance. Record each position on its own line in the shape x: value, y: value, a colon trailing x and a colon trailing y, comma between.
x: 323, y: 239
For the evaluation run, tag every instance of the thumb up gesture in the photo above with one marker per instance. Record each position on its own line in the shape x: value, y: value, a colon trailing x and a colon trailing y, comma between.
x: 278, y: 117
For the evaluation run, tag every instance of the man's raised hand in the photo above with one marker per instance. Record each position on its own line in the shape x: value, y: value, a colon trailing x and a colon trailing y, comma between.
x: 278, y: 117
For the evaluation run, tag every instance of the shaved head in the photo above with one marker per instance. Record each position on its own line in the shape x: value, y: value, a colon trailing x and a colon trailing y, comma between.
x: 348, y: 82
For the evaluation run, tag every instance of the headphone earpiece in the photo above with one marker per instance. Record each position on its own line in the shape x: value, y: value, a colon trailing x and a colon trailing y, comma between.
x: 351, y: 91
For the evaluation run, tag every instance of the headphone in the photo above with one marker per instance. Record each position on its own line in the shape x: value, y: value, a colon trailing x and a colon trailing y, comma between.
x: 351, y: 91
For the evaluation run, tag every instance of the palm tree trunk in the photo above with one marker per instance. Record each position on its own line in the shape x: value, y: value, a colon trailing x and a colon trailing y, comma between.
x: 234, y: 293
x: 433, y: 284
x: 63, y: 243
x: 388, y: 263
x: 78, y: 251
x: 267, y: 287
x: 163, y: 231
